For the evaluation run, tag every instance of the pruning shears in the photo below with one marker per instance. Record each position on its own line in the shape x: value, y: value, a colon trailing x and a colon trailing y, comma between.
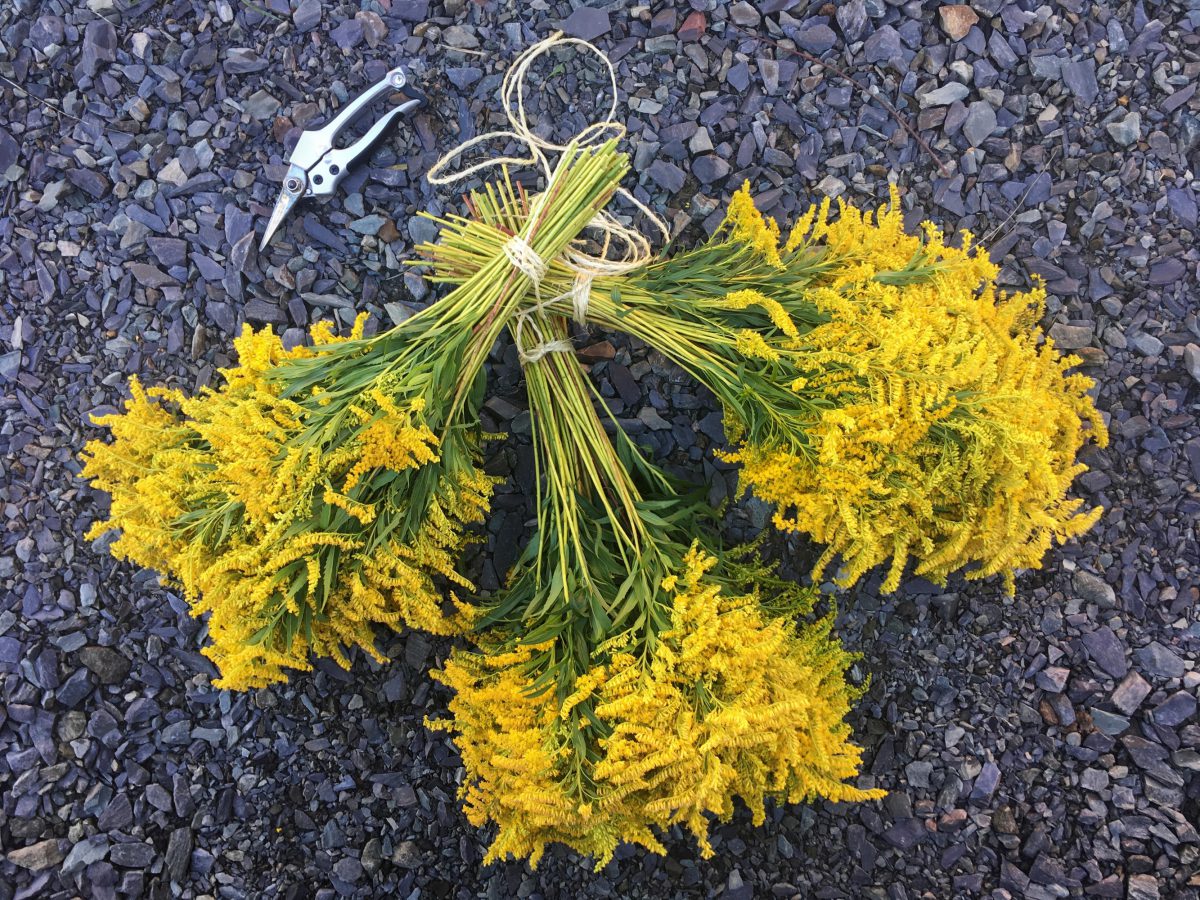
x: 317, y: 164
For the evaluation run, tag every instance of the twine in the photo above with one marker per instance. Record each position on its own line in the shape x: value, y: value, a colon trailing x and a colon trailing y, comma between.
x: 525, y: 259
x: 581, y: 291
x: 621, y: 248
x: 526, y: 319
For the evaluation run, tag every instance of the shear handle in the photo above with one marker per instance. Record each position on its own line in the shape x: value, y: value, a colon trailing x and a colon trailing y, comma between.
x: 331, y: 167
x: 316, y: 143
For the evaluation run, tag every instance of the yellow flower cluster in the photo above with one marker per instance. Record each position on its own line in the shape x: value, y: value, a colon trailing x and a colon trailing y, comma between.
x: 945, y: 427
x: 747, y: 225
x: 729, y: 704
x: 779, y: 317
x: 277, y: 540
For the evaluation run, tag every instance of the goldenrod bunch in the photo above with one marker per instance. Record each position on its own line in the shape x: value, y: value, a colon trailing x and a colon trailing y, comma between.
x: 878, y: 387
x: 945, y: 427
x: 322, y: 491
x: 293, y: 545
x: 625, y: 682
x: 726, y: 703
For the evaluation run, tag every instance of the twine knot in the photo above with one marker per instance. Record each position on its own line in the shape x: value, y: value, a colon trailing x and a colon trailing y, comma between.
x: 525, y: 259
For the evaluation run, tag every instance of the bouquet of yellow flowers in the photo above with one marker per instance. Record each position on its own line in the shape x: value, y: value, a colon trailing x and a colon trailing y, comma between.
x: 878, y: 390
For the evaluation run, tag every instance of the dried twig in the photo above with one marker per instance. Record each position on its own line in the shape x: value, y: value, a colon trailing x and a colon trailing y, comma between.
x: 46, y: 103
x: 869, y: 90
x: 1021, y: 202
x: 262, y: 10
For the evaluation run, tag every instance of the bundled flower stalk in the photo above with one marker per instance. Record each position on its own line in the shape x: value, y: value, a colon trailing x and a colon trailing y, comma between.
x: 633, y: 675
x: 629, y: 679
x: 322, y: 491
x: 877, y: 386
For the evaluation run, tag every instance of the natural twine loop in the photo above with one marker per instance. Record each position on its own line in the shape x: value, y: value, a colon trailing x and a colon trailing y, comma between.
x: 621, y: 248
x: 541, y: 347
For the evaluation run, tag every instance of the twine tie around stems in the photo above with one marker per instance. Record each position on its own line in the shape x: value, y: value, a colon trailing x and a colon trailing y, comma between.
x: 525, y: 259
x: 631, y: 248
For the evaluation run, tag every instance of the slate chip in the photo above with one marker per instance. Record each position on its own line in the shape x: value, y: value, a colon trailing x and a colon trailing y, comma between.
x: 586, y: 23
x: 1107, y: 651
x: 109, y: 665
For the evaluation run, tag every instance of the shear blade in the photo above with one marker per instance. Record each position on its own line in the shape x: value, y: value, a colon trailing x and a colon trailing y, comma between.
x: 283, y: 206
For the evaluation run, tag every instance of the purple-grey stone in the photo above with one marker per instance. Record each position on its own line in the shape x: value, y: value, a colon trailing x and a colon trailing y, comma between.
x: 1167, y: 271
x: 142, y: 709
x: 1107, y: 651
x: 667, y: 176
x: 1052, y: 679
x: 710, y: 168
x: 411, y: 10
x: 242, y: 61
x: 238, y: 223
x: 47, y: 31
x: 88, y: 851
x: 980, y: 123
x: 179, y: 853
x: 986, y: 783
x: 906, y: 834
x: 1160, y: 661
x: 1175, y: 710
x: 1001, y: 53
x: 1079, y: 75
x: 89, y: 181
x: 1109, y: 723
x: 1145, y: 753
x: 348, y: 34
x: 852, y: 19
x: 462, y: 77
x: 883, y: 45
x: 9, y: 150
x: 99, y: 45
x: 307, y: 15
x: 117, y: 815
x: 586, y: 23
x: 1182, y: 202
x: 168, y: 251
x: 816, y: 39
x: 738, y: 77
x: 133, y: 855
x: 11, y: 650
x: 1178, y: 98
x: 210, y: 269
x: 74, y: 689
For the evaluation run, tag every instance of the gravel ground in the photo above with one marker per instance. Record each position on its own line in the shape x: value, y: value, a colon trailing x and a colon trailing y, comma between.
x: 1043, y: 747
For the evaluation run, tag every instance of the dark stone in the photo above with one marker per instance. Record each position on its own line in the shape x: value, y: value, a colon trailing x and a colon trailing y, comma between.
x: 179, y: 853
x: 710, y: 168
x: 1107, y: 651
x: 1159, y: 661
x: 117, y: 815
x: 10, y: 150
x: 986, y: 783
x: 586, y: 23
x: 109, y: 666
x: 1079, y: 75
x: 667, y: 175
x: 133, y: 855
x: 883, y: 45
x: 99, y: 46
x: 1175, y: 710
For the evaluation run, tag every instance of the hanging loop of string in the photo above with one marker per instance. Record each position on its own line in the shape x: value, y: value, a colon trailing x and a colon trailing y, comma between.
x: 621, y: 248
